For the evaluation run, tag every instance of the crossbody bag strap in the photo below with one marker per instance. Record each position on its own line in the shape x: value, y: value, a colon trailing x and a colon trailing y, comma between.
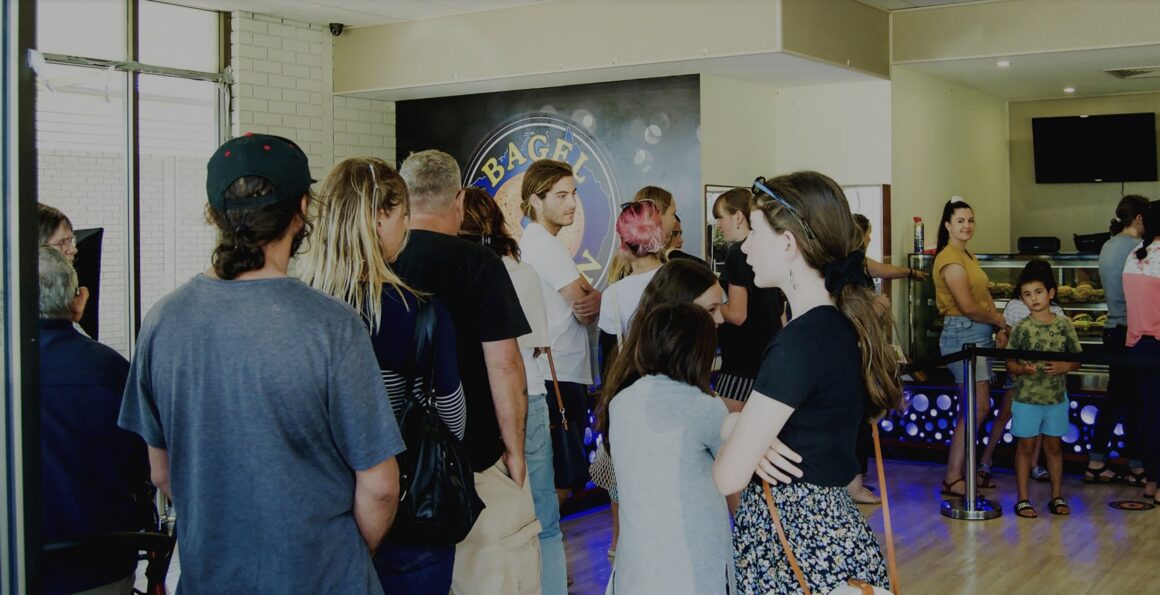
x: 556, y: 386
x: 891, y: 561
x: 422, y: 345
x: 785, y: 547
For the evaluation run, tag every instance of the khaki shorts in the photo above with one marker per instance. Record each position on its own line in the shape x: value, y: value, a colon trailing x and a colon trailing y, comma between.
x: 502, y: 552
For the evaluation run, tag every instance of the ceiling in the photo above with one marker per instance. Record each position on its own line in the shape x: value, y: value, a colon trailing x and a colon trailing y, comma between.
x: 1044, y: 75
x: 1030, y: 76
x: 355, y: 13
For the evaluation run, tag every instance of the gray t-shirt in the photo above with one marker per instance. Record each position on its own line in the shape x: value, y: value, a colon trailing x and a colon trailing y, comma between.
x: 1112, y: 257
x: 674, y: 525
x: 267, y: 396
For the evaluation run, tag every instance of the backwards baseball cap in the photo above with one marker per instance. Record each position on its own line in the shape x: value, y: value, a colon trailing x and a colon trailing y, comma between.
x: 277, y: 159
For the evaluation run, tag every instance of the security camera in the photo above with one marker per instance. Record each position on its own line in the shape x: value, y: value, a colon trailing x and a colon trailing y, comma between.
x: 336, y: 29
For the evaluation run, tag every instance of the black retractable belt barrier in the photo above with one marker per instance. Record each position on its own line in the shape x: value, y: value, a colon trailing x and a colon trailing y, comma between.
x: 971, y: 506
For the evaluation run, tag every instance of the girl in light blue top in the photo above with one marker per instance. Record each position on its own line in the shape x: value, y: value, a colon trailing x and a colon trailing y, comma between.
x: 665, y: 429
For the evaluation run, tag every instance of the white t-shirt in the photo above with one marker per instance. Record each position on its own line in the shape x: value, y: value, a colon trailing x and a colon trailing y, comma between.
x: 529, y: 289
x: 556, y: 269
x: 619, y: 302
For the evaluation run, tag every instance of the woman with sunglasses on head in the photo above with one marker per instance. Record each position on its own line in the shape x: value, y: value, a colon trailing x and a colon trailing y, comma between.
x: 969, y: 316
x: 663, y: 201
x: 823, y: 374
x: 360, y: 229
x: 753, y: 314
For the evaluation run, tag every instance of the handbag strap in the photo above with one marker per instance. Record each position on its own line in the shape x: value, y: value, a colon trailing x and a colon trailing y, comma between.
x: 556, y: 386
x: 423, y: 345
x: 891, y: 561
x: 785, y: 547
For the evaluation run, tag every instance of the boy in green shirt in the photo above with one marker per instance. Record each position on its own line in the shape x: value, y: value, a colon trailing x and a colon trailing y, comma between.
x: 1040, y: 406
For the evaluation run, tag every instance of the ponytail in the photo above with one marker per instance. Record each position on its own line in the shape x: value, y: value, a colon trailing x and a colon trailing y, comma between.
x: 244, y: 232
x: 1151, y: 228
x: 880, y: 362
x: 1130, y: 207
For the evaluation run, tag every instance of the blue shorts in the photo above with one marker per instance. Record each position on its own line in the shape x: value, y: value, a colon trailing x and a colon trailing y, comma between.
x: 960, y: 330
x: 1029, y: 421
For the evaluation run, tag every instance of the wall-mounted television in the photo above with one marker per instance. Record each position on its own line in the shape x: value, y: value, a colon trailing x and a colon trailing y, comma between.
x: 1085, y: 149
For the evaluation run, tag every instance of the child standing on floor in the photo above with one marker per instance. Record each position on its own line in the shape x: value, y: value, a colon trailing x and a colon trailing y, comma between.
x: 1040, y: 406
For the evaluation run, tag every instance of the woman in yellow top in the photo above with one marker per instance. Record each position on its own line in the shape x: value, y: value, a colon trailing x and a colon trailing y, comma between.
x: 969, y: 316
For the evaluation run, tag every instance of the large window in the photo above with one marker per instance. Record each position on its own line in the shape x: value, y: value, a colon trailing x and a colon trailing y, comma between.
x: 83, y: 145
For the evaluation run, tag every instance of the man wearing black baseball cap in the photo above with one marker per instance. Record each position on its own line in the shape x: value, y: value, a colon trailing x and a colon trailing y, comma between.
x: 261, y: 401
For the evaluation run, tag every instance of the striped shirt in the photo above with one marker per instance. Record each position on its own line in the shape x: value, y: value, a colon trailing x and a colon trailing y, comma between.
x: 452, y: 408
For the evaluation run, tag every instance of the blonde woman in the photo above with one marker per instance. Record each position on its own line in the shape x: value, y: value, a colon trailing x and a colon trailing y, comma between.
x: 360, y: 229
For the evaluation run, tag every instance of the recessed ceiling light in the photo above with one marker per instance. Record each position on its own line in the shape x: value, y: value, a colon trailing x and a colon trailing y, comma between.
x: 1069, y: 89
x: 1003, y: 63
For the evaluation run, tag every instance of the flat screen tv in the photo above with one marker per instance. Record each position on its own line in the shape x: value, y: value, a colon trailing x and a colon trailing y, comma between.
x: 1085, y: 149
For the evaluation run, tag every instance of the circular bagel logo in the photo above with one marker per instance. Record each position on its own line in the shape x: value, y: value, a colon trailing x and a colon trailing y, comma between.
x: 498, y: 164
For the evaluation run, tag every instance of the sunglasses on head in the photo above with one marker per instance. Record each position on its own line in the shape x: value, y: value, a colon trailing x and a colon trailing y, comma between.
x: 761, y: 191
x: 625, y: 205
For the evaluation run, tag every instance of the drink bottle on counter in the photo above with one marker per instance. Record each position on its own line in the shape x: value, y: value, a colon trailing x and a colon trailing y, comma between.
x: 919, y: 236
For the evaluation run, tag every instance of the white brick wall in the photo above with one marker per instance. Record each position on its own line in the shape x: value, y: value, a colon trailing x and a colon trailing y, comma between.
x: 364, y: 127
x: 282, y: 71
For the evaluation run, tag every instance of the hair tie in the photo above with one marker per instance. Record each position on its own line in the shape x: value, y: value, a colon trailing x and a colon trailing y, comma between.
x: 850, y: 270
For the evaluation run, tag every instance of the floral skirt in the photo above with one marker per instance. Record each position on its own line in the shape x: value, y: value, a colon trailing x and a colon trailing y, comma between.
x: 829, y: 537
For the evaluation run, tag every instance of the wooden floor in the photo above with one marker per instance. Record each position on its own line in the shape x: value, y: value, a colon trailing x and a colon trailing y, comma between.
x: 1096, y: 550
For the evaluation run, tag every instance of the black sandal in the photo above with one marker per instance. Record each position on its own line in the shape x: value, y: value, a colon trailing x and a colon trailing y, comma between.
x: 1024, y: 510
x: 1059, y: 507
x: 1134, y: 479
x: 1098, y: 475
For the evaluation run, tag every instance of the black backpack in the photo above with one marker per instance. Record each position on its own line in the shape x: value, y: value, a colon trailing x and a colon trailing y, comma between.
x: 438, y: 504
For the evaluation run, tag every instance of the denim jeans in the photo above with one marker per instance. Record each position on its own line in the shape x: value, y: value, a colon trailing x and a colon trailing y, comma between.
x: 960, y: 330
x: 538, y: 455
x: 415, y: 569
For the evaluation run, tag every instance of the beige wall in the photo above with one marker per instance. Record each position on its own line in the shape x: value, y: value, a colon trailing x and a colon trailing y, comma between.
x: 1064, y: 209
x: 842, y: 32
x: 948, y: 140
x: 544, y: 39
x: 841, y: 130
x: 737, y: 130
x: 1022, y: 26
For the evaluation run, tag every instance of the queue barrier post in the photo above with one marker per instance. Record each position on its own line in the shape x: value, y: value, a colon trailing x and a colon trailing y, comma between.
x: 970, y: 507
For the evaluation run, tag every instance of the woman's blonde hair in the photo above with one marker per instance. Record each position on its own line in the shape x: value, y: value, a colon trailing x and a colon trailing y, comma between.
x: 346, y: 260
x: 814, y: 209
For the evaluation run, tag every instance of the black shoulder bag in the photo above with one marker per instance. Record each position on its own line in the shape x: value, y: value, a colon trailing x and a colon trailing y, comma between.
x: 438, y: 505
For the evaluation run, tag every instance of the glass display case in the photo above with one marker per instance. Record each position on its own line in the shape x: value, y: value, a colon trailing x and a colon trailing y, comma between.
x: 1080, y: 294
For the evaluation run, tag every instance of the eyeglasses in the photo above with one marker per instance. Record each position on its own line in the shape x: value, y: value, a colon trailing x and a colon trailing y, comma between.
x: 59, y: 245
x: 759, y: 189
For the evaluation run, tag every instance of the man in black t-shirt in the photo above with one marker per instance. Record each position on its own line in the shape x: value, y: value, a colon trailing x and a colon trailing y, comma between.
x: 474, y: 285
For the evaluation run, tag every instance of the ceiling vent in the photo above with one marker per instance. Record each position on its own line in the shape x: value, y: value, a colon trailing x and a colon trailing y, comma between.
x: 1138, y: 72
